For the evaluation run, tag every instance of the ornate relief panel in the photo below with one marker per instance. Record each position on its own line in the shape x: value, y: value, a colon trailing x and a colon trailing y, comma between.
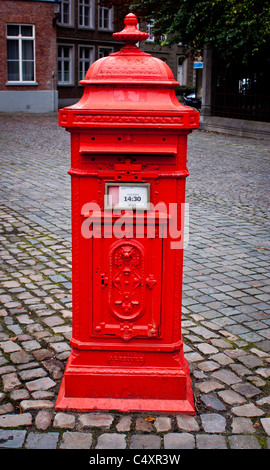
x: 127, y: 287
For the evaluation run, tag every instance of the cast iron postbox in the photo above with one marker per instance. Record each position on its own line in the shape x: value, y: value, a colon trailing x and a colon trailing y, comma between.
x: 128, y: 169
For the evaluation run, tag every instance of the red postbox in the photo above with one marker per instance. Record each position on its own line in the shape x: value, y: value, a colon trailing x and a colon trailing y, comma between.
x: 128, y: 170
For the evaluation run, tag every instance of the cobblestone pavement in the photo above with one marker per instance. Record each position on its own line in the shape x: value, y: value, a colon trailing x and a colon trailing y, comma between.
x: 226, y: 312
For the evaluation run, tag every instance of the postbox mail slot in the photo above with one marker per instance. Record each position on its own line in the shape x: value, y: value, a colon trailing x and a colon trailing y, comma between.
x: 139, y: 149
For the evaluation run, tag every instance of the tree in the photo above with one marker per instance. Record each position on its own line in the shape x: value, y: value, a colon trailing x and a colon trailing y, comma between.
x: 238, y: 29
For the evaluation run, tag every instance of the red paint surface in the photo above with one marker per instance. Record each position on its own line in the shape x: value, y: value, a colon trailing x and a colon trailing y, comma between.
x: 127, y: 349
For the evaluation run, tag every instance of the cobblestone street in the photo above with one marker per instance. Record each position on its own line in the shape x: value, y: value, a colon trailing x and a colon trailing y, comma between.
x: 226, y: 294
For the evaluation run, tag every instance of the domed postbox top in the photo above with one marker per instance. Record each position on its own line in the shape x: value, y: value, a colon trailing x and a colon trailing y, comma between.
x: 130, y: 65
x: 129, y: 82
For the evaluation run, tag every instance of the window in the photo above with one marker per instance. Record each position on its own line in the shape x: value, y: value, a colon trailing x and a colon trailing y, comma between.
x: 86, y: 58
x: 105, y: 18
x: 86, y: 13
x: 66, y: 17
x: 20, y: 53
x: 149, y: 30
x: 104, y: 51
x: 65, y: 65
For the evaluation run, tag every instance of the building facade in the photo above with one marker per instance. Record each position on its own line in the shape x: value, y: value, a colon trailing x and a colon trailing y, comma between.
x: 28, y: 81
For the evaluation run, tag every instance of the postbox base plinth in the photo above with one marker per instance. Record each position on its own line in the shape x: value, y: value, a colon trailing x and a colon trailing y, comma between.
x: 168, y: 392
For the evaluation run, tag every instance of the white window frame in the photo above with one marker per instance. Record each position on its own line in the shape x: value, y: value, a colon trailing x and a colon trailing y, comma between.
x: 70, y: 22
x: 82, y: 4
x: 84, y: 61
x: 71, y: 65
x: 149, y: 28
x: 101, y: 18
x: 111, y: 49
x: 20, y: 38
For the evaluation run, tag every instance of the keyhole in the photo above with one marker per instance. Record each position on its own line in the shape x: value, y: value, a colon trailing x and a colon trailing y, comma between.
x: 102, y: 281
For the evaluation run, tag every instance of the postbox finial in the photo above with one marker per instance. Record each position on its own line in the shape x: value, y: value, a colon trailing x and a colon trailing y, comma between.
x: 130, y: 34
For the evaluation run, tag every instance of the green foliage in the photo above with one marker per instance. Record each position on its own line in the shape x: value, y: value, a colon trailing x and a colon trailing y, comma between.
x: 184, y: 90
x: 238, y: 29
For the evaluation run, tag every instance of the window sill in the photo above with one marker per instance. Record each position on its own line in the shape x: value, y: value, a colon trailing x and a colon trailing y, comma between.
x: 65, y: 25
x: 21, y: 83
x: 66, y: 84
x: 106, y: 30
x: 88, y: 28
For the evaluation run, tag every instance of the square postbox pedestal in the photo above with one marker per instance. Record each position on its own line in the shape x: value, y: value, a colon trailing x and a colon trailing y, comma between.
x: 128, y: 171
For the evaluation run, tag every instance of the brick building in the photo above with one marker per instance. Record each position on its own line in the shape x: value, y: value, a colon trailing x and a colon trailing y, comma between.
x: 28, y: 55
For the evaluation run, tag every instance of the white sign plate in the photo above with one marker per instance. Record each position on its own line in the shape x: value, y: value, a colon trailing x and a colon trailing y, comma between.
x: 133, y: 197
x: 127, y: 196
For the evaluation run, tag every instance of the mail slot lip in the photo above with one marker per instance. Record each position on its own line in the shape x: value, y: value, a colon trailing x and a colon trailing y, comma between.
x: 151, y: 150
x: 109, y: 184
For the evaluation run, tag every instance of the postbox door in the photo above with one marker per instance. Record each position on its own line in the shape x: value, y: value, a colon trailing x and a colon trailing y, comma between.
x: 127, y: 287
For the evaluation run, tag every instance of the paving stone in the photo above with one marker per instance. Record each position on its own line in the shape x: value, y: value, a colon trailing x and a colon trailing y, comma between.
x: 187, y: 423
x: 150, y: 441
x: 210, y: 441
x: 60, y: 347
x: 207, y: 349
x: 242, y: 426
x: 179, y: 441
x: 251, y: 361
x: 76, y: 440
x: 213, y: 423
x: 143, y: 425
x: 43, y: 354
x: 204, y: 332
x: 263, y: 401
x: 246, y: 389
x: 209, y: 386
x: 10, y: 346
x: 208, y: 366
x: 30, y: 345
x: 36, y: 404
x: 20, y: 394
x: 10, y: 381
x: 111, y: 441
x: 6, y: 408
x: 248, y: 410
x: 231, y: 397
x: 211, y: 401
x: 12, y: 438
x: 63, y: 420
x: 20, y: 357
x: 124, y: 424
x: 244, y: 442
x: 40, y: 384
x: 96, y: 420
x: 163, y: 424
x: 193, y: 357
x: 43, y: 419
x: 15, y: 420
x: 264, y: 372
x: 240, y: 370
x: 266, y: 425
x: 55, y: 368
x: 226, y: 376
x: 32, y: 374
x: 42, y: 440
x: 222, y: 359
